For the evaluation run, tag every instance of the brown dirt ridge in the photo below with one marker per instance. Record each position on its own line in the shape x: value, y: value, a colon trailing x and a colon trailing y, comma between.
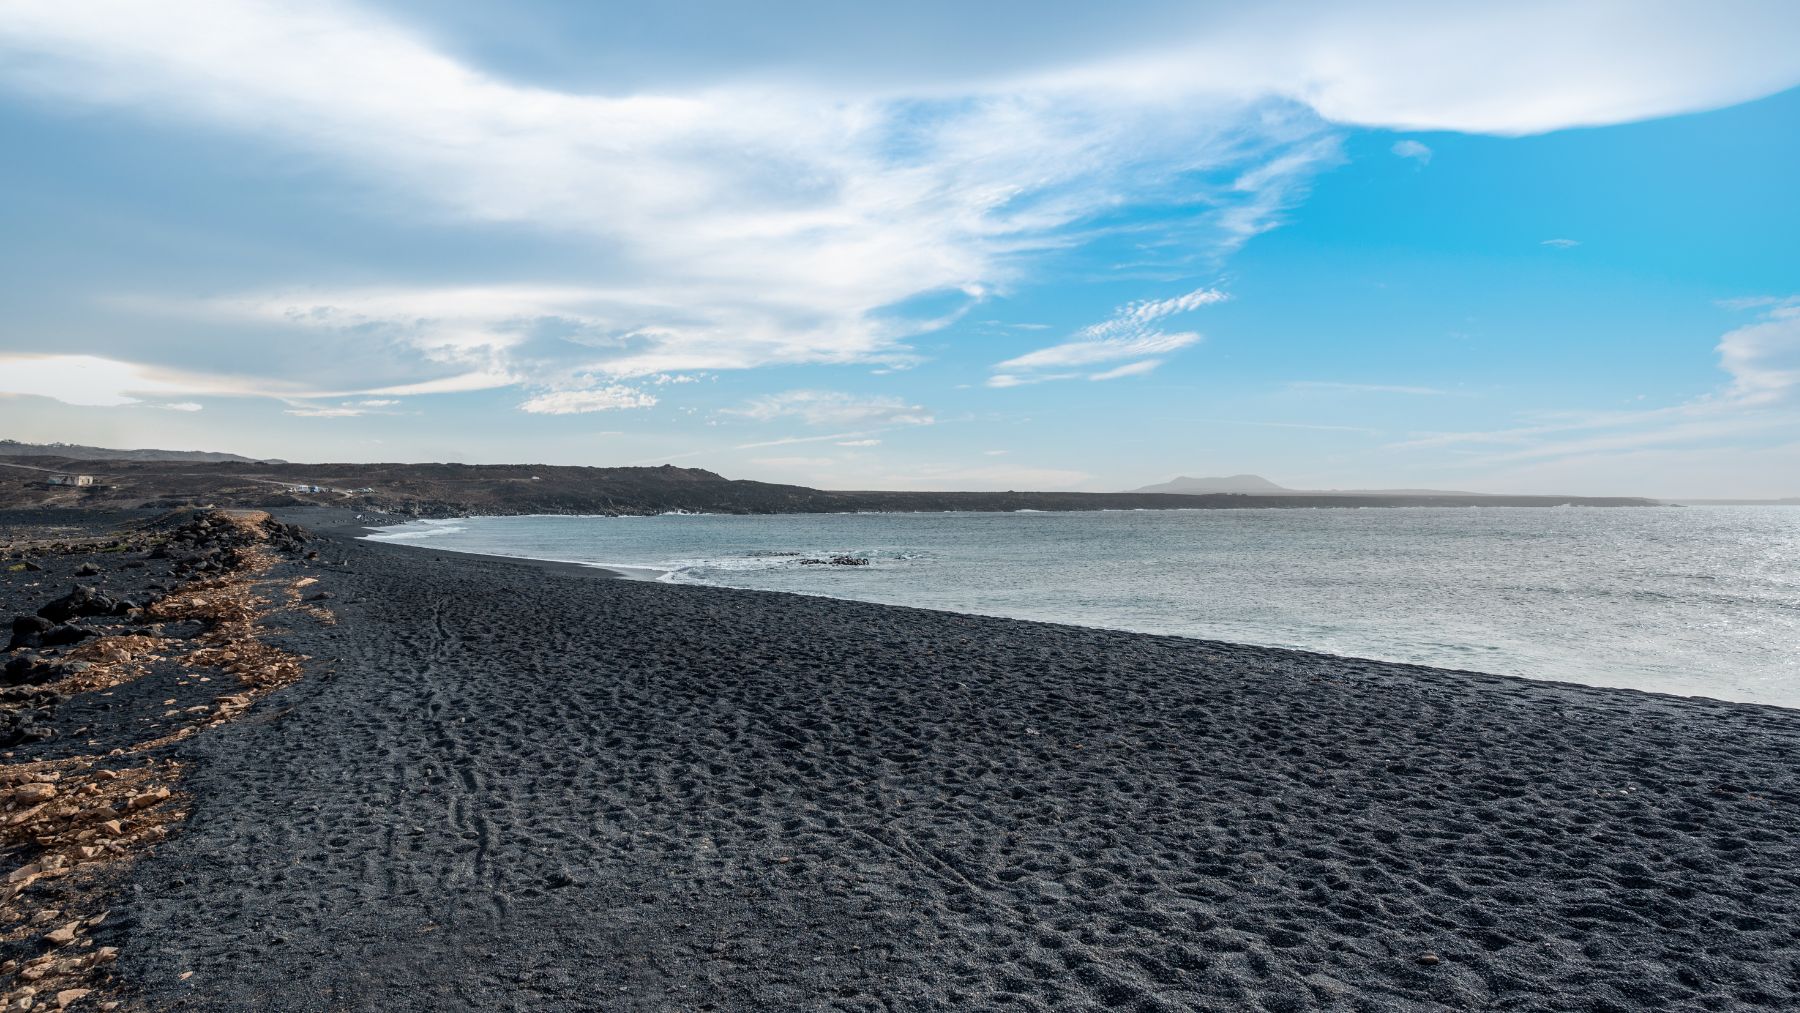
x: 156, y: 638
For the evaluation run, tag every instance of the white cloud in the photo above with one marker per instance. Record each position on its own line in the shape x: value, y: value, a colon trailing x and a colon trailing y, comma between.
x: 791, y: 440
x: 320, y: 412
x: 859, y: 443
x: 1515, y: 68
x: 745, y: 225
x: 1763, y: 358
x: 1561, y: 244
x: 1412, y: 149
x: 764, y: 217
x: 599, y: 399
x: 180, y: 406
x: 835, y: 408
x: 1129, y: 369
x: 1128, y: 334
x: 1085, y: 353
x: 344, y: 410
x: 1139, y: 314
x: 96, y: 381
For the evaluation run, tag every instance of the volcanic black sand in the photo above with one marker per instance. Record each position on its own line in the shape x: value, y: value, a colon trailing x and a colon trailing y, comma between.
x: 500, y: 786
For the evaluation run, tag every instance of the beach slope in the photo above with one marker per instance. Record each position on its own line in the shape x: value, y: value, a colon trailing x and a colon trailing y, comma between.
x: 505, y: 787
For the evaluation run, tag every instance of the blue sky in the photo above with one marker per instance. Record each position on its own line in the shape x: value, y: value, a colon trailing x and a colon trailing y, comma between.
x: 1549, y: 247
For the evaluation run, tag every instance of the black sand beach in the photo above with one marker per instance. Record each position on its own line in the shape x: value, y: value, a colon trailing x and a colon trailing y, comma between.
x: 504, y: 786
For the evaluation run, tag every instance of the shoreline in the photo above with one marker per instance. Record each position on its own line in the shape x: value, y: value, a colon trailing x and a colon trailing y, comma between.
x: 558, y: 566
x: 662, y: 574
x: 501, y: 783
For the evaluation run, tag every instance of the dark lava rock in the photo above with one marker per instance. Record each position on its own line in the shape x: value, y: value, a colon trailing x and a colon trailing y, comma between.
x: 67, y: 633
x: 83, y: 601
x: 29, y: 670
x: 26, y: 725
x: 27, y: 631
x: 88, y: 569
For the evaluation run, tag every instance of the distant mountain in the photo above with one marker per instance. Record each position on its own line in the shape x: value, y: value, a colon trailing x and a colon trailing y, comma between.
x: 74, y: 452
x: 1206, y: 486
x: 1784, y: 501
x: 1256, y: 485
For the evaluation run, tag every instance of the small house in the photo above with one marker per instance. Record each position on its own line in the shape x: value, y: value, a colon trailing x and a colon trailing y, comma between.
x: 71, y: 480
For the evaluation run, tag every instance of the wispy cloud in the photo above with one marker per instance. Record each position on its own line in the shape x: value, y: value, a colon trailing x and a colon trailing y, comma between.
x: 787, y: 441
x: 1130, y: 333
x: 748, y: 223
x: 1412, y: 149
x: 744, y: 226
x: 1763, y: 358
x: 1129, y: 369
x: 598, y: 399
x: 97, y: 381
x: 1561, y: 244
x: 324, y: 412
x: 835, y: 408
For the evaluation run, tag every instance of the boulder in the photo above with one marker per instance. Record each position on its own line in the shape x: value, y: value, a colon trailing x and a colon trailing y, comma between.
x: 83, y: 601
x: 66, y: 633
x: 29, y: 670
x: 28, y: 631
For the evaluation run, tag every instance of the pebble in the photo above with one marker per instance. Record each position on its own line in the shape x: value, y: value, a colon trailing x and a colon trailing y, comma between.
x: 1428, y: 959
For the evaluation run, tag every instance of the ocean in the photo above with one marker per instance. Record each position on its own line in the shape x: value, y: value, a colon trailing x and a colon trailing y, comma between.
x: 1700, y: 601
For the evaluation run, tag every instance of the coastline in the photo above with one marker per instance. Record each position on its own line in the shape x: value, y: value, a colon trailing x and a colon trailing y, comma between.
x: 1502, y: 616
x: 501, y: 785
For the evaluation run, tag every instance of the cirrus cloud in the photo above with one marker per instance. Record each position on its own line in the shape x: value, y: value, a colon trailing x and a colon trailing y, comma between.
x: 579, y: 402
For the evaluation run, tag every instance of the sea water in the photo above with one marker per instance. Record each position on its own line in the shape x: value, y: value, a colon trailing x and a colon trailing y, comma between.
x: 1688, y: 600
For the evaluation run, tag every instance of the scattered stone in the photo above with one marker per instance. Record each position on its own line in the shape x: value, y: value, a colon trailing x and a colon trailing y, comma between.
x: 1428, y: 959
x: 34, y: 793
x: 88, y: 569
x: 62, y: 936
x: 148, y: 799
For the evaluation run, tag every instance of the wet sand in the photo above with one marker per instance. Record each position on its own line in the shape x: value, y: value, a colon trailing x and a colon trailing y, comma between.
x: 508, y: 786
